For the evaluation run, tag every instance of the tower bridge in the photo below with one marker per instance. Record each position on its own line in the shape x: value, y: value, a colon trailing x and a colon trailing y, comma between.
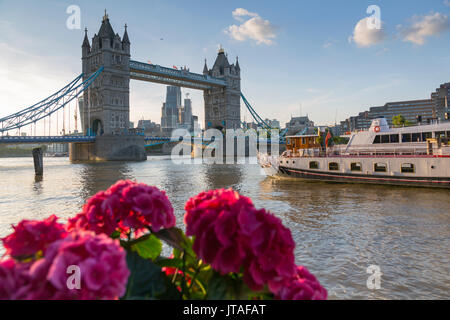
x: 106, y: 103
x: 104, y: 84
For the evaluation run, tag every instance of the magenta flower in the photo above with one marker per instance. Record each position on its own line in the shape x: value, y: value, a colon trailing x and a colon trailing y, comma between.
x: 103, y: 272
x: 30, y: 237
x: 126, y: 206
x: 231, y: 235
x: 14, y: 279
x: 304, y: 286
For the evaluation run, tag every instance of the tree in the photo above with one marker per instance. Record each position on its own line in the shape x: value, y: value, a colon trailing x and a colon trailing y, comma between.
x: 400, y: 121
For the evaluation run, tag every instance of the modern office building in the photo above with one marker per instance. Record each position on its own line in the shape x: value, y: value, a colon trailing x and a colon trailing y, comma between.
x: 274, y: 123
x: 431, y: 109
x: 170, y: 109
x: 175, y: 115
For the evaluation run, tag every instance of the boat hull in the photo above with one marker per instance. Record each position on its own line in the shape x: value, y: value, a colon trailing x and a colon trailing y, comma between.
x: 437, y: 182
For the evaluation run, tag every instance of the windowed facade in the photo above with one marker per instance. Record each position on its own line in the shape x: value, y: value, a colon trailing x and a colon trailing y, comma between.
x: 314, y: 165
x: 356, y: 166
x: 380, y: 167
x: 408, y: 168
x: 333, y: 166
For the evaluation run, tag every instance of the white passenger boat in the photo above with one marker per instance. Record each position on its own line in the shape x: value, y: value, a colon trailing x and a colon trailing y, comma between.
x: 410, y: 156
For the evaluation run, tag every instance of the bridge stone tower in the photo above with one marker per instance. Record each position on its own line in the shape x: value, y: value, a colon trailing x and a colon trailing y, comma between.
x: 105, y: 110
x: 223, y: 105
x: 106, y: 106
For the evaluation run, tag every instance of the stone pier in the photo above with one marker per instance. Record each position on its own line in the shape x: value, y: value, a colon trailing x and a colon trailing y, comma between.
x: 110, y: 148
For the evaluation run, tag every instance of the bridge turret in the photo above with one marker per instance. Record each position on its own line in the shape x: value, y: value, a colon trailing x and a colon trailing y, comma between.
x: 126, y: 40
x: 223, y: 105
x: 106, y: 103
x: 205, y: 69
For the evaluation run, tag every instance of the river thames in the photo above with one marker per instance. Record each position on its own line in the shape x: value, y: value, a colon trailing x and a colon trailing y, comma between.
x: 339, y: 229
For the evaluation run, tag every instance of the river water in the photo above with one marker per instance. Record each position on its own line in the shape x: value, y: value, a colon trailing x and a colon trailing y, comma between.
x: 339, y: 229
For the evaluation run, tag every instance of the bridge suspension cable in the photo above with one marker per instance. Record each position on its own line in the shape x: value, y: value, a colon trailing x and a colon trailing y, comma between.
x: 49, y: 105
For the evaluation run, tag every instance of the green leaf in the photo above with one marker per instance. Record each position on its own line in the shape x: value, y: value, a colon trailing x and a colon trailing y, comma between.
x: 115, y: 234
x: 218, y: 287
x: 149, y: 248
x: 146, y: 281
x: 174, y: 237
x: 173, y: 263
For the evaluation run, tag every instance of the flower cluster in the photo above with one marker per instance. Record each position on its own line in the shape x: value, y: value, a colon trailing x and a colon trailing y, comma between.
x: 304, y: 286
x: 14, y: 279
x: 231, y: 235
x: 102, y: 272
x: 32, y: 237
x: 124, y: 207
x: 83, y: 259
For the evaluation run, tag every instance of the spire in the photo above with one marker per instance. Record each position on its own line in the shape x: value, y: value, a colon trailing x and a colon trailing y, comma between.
x: 221, y: 60
x: 205, y: 68
x: 125, y: 38
x: 237, y: 63
x: 106, y: 31
x: 86, y: 40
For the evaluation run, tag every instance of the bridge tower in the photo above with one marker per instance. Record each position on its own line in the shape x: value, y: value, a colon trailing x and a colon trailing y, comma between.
x: 223, y: 105
x: 105, y: 110
x: 106, y: 106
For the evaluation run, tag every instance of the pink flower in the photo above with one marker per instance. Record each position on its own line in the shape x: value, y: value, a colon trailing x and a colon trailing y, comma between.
x: 231, y: 234
x: 126, y: 206
x: 304, y: 286
x: 103, y: 272
x: 30, y: 237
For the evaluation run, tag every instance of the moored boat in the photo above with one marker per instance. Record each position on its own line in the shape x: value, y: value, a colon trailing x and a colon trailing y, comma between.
x: 408, y: 156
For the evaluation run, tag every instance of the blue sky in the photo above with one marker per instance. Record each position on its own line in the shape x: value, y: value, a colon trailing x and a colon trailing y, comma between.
x: 314, y: 53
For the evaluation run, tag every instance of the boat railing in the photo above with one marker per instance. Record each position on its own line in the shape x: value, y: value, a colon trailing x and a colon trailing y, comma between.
x: 372, y: 152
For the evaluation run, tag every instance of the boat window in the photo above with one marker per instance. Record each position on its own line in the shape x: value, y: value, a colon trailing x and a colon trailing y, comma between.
x: 380, y: 167
x: 385, y: 138
x: 394, y: 138
x: 407, y: 168
x: 314, y: 165
x: 448, y: 134
x: 356, y: 166
x: 406, y: 137
x: 416, y: 137
x: 377, y: 139
x: 426, y: 135
x: 333, y: 166
x: 439, y: 134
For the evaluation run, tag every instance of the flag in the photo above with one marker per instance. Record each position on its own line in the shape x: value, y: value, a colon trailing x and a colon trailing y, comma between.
x: 175, y: 67
x: 327, y: 138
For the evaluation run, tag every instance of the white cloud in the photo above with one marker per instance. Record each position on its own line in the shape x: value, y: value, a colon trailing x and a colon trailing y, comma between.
x: 425, y: 26
x: 254, y: 28
x: 364, y: 36
x: 240, y: 13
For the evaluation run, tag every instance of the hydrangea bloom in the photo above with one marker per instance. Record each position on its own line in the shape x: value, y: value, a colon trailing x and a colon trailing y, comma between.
x: 103, y: 271
x: 231, y: 234
x: 304, y: 286
x: 14, y: 279
x: 30, y: 237
x: 124, y: 206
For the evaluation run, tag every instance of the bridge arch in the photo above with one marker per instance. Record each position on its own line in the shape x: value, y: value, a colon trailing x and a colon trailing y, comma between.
x: 97, y: 127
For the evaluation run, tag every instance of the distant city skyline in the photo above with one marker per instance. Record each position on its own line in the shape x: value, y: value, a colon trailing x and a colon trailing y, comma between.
x: 322, y: 55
